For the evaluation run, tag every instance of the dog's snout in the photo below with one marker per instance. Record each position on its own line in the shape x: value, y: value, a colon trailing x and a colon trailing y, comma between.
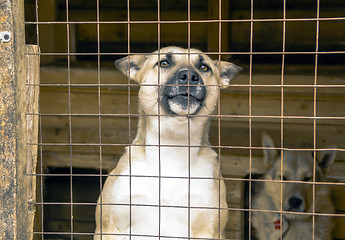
x: 188, y: 77
x: 184, y: 92
x: 295, y: 202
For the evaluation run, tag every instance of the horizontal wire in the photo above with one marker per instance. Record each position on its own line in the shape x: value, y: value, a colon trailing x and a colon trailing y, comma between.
x: 225, y: 116
x: 191, y: 21
x: 159, y: 85
x: 208, y: 53
x: 190, y: 207
x: 182, y: 146
x: 186, y: 178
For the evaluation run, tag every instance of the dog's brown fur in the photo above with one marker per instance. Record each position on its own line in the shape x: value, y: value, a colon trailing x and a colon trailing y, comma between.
x: 167, y: 182
x: 297, y: 197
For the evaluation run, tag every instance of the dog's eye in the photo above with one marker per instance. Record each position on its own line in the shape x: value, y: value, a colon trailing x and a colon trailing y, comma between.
x: 203, y: 68
x: 164, y: 63
x: 308, y: 179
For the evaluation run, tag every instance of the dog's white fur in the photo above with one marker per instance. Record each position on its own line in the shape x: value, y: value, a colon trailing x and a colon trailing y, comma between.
x: 297, y: 166
x: 168, y: 181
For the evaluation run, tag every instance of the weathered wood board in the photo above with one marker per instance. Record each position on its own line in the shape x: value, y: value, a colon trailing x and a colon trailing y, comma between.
x: 32, y: 64
x: 13, y: 135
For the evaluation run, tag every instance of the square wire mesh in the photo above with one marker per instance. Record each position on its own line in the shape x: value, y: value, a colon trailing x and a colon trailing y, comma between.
x: 62, y: 148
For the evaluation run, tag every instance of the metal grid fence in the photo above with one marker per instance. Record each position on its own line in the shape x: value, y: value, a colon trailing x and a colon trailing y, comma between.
x: 70, y: 144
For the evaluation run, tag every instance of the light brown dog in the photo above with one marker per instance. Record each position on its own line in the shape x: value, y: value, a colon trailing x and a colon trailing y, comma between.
x: 168, y: 183
x: 297, y: 198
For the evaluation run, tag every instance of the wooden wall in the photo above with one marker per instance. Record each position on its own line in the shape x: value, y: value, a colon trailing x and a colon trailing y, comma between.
x: 266, y: 101
x: 265, y: 105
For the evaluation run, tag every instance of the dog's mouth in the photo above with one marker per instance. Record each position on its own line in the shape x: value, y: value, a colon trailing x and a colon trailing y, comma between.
x: 294, y: 210
x: 181, y: 102
x: 294, y: 213
x: 184, y: 93
x: 295, y: 216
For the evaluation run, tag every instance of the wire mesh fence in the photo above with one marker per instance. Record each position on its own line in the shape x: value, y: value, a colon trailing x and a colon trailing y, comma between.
x: 292, y: 87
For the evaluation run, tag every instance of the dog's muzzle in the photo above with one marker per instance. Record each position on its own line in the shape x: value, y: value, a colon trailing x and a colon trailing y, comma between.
x: 295, y: 204
x: 185, y: 93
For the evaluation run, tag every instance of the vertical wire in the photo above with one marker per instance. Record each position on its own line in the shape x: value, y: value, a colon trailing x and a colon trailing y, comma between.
x: 314, y: 107
x: 99, y: 116
x: 69, y: 116
x: 250, y: 116
x: 129, y: 119
x: 37, y: 25
x: 159, y: 120
x: 41, y: 172
x: 282, y: 118
x: 29, y: 142
x: 188, y: 120
x: 219, y: 112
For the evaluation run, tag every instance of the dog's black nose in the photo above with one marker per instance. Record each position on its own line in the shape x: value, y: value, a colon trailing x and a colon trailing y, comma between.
x: 295, y: 202
x: 188, y: 77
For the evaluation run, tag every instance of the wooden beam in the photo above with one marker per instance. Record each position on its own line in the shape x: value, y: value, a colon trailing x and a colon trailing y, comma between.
x: 32, y: 63
x: 265, y: 75
x: 231, y: 165
x: 13, y: 149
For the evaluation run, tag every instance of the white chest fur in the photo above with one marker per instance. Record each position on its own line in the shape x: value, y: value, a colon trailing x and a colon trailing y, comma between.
x: 168, y: 187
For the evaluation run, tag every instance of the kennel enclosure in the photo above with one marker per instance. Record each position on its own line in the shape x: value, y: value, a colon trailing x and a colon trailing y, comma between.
x: 292, y: 86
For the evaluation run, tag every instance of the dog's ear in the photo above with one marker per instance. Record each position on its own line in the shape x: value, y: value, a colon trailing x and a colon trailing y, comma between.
x: 134, y: 62
x: 269, y: 154
x: 227, y: 71
x: 326, y: 159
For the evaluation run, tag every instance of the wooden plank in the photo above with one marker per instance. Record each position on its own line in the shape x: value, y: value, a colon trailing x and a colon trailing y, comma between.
x: 268, y: 77
x: 232, y: 165
x: 235, y: 130
x: 55, y: 101
x: 79, y: 160
x: 85, y: 101
x: 13, y: 151
x: 32, y: 64
x: 234, y: 134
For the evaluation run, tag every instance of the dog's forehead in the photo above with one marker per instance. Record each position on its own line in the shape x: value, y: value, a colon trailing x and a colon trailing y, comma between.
x: 297, y: 159
x: 298, y: 162
x: 181, y: 54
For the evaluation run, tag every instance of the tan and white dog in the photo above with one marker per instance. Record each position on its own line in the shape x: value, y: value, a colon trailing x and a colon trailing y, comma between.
x: 168, y: 183
x: 296, y: 197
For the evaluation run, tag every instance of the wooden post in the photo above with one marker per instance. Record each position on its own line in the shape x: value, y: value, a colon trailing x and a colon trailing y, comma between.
x: 32, y: 63
x: 13, y: 135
